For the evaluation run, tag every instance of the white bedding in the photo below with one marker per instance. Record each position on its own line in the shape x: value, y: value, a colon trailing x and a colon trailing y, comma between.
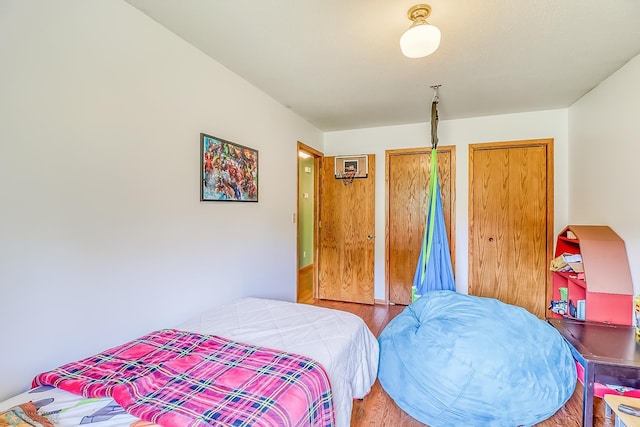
x: 340, y: 341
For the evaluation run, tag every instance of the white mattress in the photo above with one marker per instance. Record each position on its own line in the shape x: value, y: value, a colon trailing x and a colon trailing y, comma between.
x: 340, y: 341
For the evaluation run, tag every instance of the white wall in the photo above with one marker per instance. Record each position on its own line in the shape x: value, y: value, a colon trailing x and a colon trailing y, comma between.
x: 102, y: 234
x: 461, y: 133
x: 604, y: 134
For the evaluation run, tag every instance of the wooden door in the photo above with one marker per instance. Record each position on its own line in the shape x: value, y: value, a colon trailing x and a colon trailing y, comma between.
x: 511, y: 222
x: 347, y: 236
x: 408, y: 177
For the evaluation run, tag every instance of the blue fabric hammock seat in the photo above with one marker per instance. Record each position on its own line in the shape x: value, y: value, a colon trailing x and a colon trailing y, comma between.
x: 434, y: 270
x: 451, y: 359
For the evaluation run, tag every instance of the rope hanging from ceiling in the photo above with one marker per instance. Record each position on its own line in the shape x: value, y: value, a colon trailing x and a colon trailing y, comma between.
x: 434, y: 117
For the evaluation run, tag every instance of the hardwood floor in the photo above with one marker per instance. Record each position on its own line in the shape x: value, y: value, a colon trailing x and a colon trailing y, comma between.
x: 305, y: 285
x: 378, y: 409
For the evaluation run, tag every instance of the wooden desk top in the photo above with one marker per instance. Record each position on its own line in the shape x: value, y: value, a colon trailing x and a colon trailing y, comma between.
x: 614, y: 400
x: 601, y: 342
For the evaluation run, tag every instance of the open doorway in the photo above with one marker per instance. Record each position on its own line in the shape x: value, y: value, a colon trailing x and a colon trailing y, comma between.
x: 309, y: 166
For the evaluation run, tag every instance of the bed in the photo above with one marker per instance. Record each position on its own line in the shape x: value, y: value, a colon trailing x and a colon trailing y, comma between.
x: 338, y: 341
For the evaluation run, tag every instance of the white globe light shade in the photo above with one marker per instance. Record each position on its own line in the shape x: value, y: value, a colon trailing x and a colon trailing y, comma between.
x: 420, y: 40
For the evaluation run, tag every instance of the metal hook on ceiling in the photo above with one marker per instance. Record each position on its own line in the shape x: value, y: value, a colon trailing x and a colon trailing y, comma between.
x: 436, y: 97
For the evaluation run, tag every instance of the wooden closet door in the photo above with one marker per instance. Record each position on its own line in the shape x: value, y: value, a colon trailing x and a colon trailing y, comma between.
x: 347, y: 236
x: 511, y: 222
x: 408, y: 178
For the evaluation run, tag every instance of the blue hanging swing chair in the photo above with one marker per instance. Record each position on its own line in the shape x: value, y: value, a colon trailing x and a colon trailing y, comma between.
x: 434, y: 270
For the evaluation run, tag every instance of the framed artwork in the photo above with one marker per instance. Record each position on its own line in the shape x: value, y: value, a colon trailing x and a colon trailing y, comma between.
x: 228, y: 171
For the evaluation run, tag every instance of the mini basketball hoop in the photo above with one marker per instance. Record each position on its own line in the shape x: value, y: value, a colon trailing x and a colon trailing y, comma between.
x: 348, y: 168
x: 348, y: 175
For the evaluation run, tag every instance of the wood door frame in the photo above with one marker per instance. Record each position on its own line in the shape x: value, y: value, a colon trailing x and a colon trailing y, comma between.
x: 317, y: 165
x: 452, y: 244
x: 547, y: 143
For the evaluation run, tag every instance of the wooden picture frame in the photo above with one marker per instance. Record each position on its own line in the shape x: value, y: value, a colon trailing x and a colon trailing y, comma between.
x: 228, y: 171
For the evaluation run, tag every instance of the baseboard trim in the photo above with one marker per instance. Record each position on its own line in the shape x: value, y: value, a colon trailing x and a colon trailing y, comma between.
x: 307, y: 268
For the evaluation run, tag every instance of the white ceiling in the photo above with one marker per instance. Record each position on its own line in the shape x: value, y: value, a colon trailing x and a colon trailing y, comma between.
x: 338, y: 64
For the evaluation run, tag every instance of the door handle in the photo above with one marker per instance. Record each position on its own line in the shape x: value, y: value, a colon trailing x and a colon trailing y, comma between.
x: 370, y: 236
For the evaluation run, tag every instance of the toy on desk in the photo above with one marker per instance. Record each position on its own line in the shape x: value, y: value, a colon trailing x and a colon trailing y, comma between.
x: 559, y: 307
x: 568, y: 308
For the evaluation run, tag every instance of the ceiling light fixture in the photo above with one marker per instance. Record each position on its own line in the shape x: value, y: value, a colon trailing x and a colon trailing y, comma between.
x: 421, y: 39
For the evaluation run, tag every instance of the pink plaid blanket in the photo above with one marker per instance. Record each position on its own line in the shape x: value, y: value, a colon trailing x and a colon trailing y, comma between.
x: 177, y: 378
